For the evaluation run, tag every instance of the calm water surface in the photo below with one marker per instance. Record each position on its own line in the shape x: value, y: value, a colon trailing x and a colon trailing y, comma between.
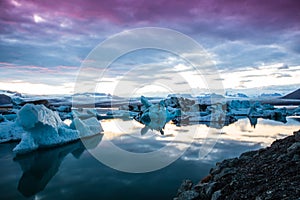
x: 71, y: 172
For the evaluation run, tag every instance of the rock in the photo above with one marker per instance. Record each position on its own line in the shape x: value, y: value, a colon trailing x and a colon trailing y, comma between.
x: 296, y: 158
x: 294, y: 147
x: 247, y: 155
x: 297, y: 135
x: 188, y: 195
x: 224, y: 172
x: 269, y: 173
x: 210, y: 189
x: 216, y: 195
x: 185, y: 186
x: 206, y: 179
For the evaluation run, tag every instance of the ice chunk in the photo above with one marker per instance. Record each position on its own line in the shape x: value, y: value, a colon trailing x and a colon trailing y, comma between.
x: 158, y: 117
x: 2, y: 118
x: 87, y: 127
x: 44, y: 128
x: 155, y: 116
x: 27, y: 144
x: 237, y: 104
x: 268, y: 111
x: 145, y: 102
x: 10, y: 131
x: 296, y: 111
x: 277, y: 114
x: 11, y: 117
x: 121, y: 114
x: 63, y: 108
x: 30, y: 115
x: 84, y: 113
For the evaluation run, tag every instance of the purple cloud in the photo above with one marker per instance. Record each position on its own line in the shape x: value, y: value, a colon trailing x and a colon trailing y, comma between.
x: 48, y: 34
x: 263, y: 14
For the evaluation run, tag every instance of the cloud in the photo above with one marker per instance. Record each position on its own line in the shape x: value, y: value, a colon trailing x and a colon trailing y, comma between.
x: 37, y: 88
x: 280, y: 75
x: 238, y: 54
x: 245, y: 81
x: 253, y: 75
x: 231, y: 19
x: 55, y: 76
x: 237, y: 34
x: 284, y: 66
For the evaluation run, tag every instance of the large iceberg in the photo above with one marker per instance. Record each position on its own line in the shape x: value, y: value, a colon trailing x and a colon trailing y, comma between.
x: 44, y: 128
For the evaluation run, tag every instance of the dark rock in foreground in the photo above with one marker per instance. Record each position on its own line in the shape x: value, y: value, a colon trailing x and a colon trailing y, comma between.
x: 269, y: 173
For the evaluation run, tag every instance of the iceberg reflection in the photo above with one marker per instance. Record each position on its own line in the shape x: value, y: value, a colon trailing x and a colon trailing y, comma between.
x: 40, y: 166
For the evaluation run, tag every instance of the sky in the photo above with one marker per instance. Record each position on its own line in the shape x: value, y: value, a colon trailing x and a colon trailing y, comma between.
x: 255, y: 45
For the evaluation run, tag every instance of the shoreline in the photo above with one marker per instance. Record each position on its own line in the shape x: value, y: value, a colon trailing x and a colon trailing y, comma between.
x: 267, y: 173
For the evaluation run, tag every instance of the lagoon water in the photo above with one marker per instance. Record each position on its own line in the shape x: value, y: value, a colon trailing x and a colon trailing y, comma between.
x: 72, y: 172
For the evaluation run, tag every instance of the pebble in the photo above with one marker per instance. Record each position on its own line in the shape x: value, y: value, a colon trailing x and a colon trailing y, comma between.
x: 294, y: 147
x: 188, y: 195
x: 216, y: 195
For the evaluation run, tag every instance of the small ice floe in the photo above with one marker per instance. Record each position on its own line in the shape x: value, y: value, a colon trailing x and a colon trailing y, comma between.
x: 86, y: 127
x: 268, y: 111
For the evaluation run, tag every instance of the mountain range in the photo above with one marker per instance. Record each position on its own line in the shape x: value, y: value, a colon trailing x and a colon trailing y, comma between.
x: 292, y: 95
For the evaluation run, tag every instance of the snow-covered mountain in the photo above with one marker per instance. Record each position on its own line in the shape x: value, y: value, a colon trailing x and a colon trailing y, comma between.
x: 267, y: 95
x: 236, y: 95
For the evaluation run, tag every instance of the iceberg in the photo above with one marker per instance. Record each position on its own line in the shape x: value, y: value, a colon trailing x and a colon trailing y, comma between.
x: 32, y: 115
x: 155, y: 116
x: 63, y: 108
x: 44, y: 128
x: 239, y: 107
